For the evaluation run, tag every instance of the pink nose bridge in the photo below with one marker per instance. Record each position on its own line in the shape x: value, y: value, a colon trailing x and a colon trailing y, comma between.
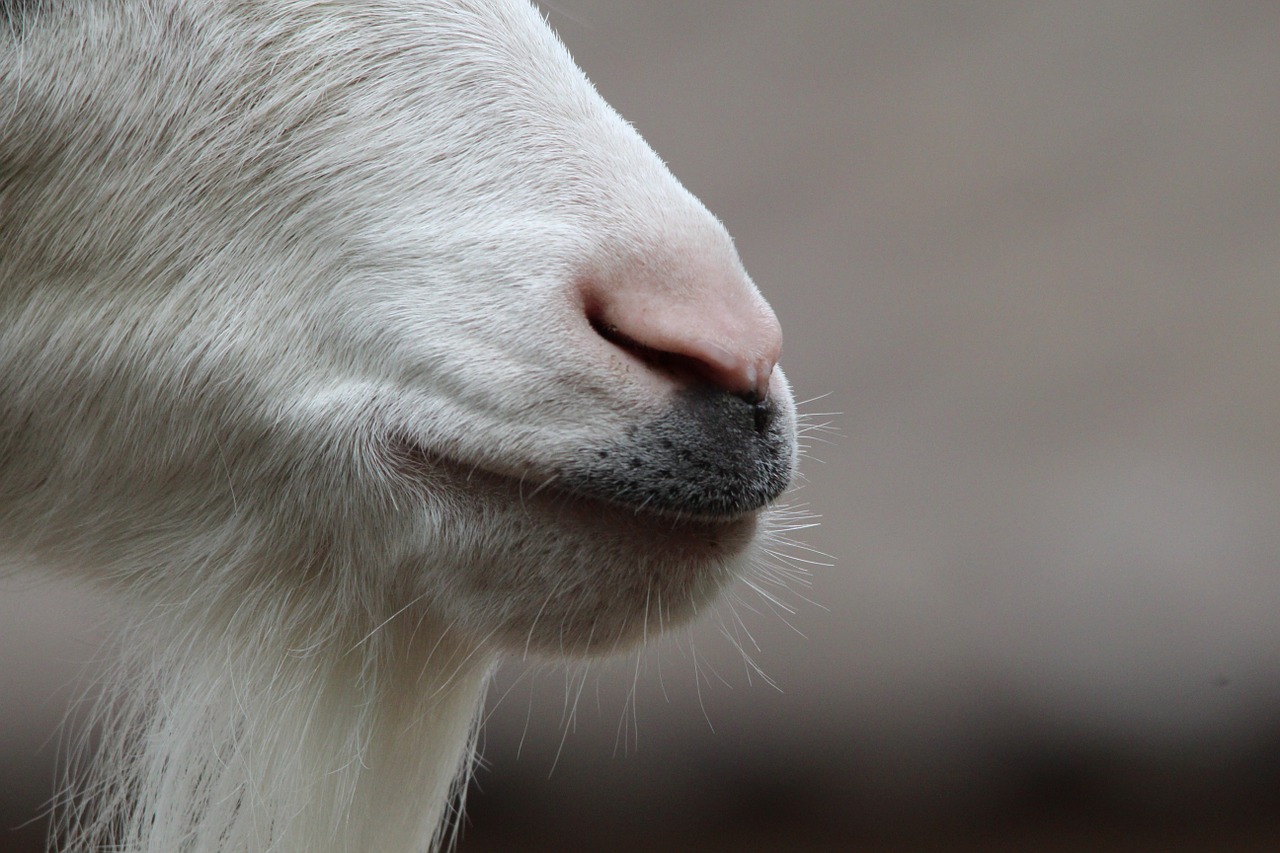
x: 703, y: 316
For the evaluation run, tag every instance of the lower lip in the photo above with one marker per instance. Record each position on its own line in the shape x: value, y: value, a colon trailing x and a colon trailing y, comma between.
x: 652, y: 528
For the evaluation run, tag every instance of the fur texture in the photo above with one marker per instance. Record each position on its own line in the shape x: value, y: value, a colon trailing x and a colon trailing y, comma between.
x: 312, y: 350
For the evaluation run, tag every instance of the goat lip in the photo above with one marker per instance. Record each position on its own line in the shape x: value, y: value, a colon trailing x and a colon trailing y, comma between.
x: 421, y: 464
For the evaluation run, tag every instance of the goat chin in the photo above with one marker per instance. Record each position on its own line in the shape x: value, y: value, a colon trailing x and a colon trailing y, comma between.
x: 353, y: 345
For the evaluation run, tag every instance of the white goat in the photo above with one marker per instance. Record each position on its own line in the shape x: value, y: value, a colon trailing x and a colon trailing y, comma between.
x: 355, y: 343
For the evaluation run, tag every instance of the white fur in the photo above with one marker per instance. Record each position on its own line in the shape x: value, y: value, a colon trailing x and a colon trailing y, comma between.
x: 292, y: 356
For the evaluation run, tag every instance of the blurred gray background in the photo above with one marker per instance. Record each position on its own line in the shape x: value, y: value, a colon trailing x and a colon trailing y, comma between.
x: 1029, y: 252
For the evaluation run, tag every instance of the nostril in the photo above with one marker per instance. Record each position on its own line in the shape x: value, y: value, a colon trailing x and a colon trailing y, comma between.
x: 686, y: 368
x: 682, y: 367
x: 730, y: 345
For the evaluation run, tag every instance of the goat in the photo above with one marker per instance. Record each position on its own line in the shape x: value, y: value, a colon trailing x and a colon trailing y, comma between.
x: 354, y: 344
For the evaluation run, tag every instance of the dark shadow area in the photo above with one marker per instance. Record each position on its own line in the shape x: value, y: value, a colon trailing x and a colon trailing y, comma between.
x: 1023, y: 794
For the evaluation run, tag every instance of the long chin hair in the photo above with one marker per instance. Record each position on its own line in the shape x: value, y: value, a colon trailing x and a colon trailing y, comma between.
x: 272, y: 726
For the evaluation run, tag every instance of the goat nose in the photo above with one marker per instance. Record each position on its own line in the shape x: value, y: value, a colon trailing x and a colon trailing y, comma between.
x: 693, y: 320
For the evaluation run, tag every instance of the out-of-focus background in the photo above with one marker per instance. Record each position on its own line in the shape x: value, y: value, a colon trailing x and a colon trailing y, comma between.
x: 1031, y: 254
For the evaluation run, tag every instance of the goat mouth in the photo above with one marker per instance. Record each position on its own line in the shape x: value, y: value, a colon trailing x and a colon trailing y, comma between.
x: 568, y: 494
x: 707, y: 458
